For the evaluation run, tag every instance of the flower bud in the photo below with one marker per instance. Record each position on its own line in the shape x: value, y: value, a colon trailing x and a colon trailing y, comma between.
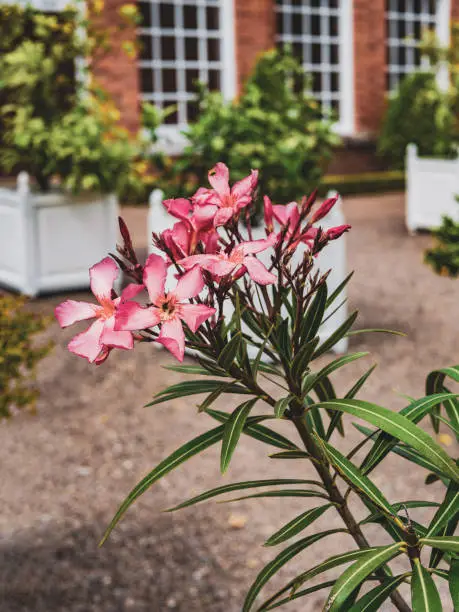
x: 324, y: 209
x: 335, y: 232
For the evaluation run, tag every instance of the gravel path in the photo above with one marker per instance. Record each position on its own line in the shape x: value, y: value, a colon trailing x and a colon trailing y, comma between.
x: 65, y: 471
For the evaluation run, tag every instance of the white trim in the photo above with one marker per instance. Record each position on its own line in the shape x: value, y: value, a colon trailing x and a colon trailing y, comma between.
x: 443, y: 34
x: 46, y: 6
x: 343, y: 39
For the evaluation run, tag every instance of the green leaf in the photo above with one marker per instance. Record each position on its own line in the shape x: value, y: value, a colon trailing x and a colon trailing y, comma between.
x: 376, y: 330
x: 453, y: 581
x: 255, y: 364
x: 193, y: 387
x: 314, y: 314
x: 449, y: 510
x: 303, y: 357
x: 290, y: 454
x: 424, y: 594
x: 193, y: 369
x: 282, y: 558
x: 448, y: 543
x: 316, y: 570
x: 434, y: 384
x: 338, y: 290
x: 296, y: 525
x: 359, y: 384
x: 259, y: 432
x: 281, y: 406
x: 358, y: 572
x: 303, y: 593
x: 191, y: 448
x: 336, y: 336
x: 233, y: 429
x: 415, y: 411
x: 375, y: 516
x: 400, y: 427
x: 314, y: 421
x: 229, y: 352
x: 281, y: 493
x: 238, y: 486
x: 356, y: 478
x: 371, y: 602
x: 338, y: 363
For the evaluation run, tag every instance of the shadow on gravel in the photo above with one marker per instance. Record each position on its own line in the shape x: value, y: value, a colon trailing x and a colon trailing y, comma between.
x: 158, y: 567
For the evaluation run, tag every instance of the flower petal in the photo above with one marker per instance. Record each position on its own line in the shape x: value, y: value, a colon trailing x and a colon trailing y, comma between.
x: 131, y: 291
x: 219, y: 179
x: 256, y: 246
x: 194, y: 315
x: 131, y: 316
x: 287, y: 214
x: 200, y: 260
x: 173, y: 338
x: 88, y: 344
x: 178, y: 207
x: 190, y: 284
x: 203, y: 217
x: 154, y: 276
x: 242, y: 190
x: 71, y: 311
x: 113, y: 338
x: 221, y: 267
x: 258, y: 272
x: 223, y: 215
x: 102, y: 276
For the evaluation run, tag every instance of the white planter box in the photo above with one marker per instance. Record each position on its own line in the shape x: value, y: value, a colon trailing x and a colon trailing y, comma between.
x: 48, y: 241
x: 333, y: 257
x: 431, y: 187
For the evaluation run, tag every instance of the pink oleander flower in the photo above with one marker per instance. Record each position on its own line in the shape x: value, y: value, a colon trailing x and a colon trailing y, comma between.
x: 336, y: 232
x: 288, y: 215
x: 239, y: 261
x: 196, y: 225
x: 95, y: 343
x: 167, y: 309
x: 229, y: 201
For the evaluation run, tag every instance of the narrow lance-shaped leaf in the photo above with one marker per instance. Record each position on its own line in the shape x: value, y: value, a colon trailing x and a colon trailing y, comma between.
x: 314, y: 314
x: 239, y: 486
x: 191, y: 448
x: 338, y: 363
x: 303, y: 357
x: 400, y: 427
x: 330, y: 563
x: 290, y: 454
x: 280, y: 493
x: 372, y: 601
x: 193, y: 387
x: 356, y: 478
x: 338, y: 290
x: 424, y: 594
x: 453, y: 581
x: 281, y: 406
x: 233, y: 429
x: 303, y: 593
x: 229, y: 352
x: 434, y: 384
x: 448, y: 510
x: 274, y: 566
x: 336, y: 336
x: 259, y: 432
x: 357, y: 573
x: 296, y: 525
x: 447, y: 543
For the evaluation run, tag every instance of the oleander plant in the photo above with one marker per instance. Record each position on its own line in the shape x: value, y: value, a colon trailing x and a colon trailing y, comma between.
x: 251, y: 312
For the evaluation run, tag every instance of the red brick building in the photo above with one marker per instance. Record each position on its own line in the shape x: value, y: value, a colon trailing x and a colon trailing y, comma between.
x: 355, y: 50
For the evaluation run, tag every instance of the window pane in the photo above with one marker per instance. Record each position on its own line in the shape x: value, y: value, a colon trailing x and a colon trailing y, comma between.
x: 212, y: 18
x: 145, y: 47
x: 145, y: 14
x: 166, y: 15
x: 191, y: 48
x: 146, y: 79
x: 168, y: 48
x: 214, y: 80
x: 191, y: 76
x: 213, y: 50
x: 169, y: 80
x: 190, y: 17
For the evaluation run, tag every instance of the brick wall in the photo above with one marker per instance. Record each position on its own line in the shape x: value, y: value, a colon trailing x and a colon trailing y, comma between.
x: 115, y: 71
x: 254, y: 32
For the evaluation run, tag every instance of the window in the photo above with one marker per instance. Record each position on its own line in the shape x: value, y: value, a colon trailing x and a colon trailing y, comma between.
x: 319, y: 33
x: 181, y: 42
x: 405, y: 21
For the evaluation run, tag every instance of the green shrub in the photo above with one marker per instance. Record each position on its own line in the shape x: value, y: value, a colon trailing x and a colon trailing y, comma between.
x: 54, y: 125
x: 419, y: 113
x: 275, y: 126
x: 18, y: 354
x: 444, y: 255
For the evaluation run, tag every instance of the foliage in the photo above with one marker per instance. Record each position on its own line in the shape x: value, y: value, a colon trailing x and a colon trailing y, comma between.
x: 255, y: 324
x: 365, y: 182
x: 19, y: 354
x: 420, y: 113
x: 58, y: 125
x: 275, y: 126
x: 444, y: 255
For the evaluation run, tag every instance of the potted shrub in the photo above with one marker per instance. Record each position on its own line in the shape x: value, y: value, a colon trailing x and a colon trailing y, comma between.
x: 63, y: 130
x: 420, y: 133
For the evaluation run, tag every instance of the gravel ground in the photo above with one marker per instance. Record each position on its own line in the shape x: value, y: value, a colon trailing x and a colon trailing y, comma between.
x: 65, y: 470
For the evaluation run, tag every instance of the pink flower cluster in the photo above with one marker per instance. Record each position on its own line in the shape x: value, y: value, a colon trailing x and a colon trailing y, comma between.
x: 205, y: 248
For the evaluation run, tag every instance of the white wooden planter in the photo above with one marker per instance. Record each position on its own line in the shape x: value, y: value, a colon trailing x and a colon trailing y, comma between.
x: 431, y: 188
x: 48, y: 241
x: 333, y: 257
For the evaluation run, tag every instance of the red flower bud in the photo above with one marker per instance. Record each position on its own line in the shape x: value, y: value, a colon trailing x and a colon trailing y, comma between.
x: 324, y: 209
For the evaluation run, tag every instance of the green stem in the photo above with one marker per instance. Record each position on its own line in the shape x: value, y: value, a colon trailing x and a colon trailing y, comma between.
x: 341, y: 504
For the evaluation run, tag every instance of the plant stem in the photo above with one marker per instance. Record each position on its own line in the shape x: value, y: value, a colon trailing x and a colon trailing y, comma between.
x: 341, y: 503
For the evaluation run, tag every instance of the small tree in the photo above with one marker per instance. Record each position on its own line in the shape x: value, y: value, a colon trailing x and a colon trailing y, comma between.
x: 444, y: 255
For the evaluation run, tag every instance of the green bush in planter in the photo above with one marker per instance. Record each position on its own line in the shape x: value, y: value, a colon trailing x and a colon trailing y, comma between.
x: 58, y: 127
x: 275, y: 126
x: 443, y: 257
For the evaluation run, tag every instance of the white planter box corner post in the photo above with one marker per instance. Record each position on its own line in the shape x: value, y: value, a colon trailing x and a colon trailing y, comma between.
x: 431, y: 188
x: 333, y: 258
x: 48, y: 241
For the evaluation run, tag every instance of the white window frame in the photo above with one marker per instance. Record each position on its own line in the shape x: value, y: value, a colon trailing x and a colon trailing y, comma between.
x: 170, y: 138
x: 345, y: 125
x: 442, y: 22
x: 46, y: 6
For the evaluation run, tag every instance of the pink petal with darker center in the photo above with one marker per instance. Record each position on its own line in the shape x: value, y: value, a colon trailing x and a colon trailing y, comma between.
x: 194, y: 315
x: 154, y: 276
x: 258, y: 272
x: 219, y: 179
x: 190, y: 284
x: 71, y: 311
x: 131, y: 316
x: 118, y: 339
x: 173, y: 338
x: 88, y: 344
